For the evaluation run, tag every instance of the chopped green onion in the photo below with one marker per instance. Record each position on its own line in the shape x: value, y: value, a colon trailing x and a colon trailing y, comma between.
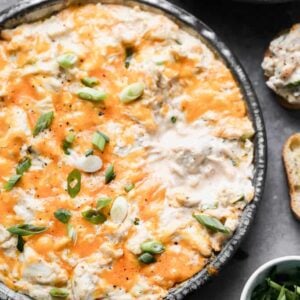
x: 173, y: 119
x: 93, y: 216
x: 128, y: 56
x: 12, y: 181
x: 103, y: 202
x: 72, y: 233
x: 67, y: 142
x: 91, y: 94
x: 74, y: 183
x: 43, y: 122
x: 89, y: 152
x: 63, y: 215
x: 153, y: 247
x: 26, y: 229
x: 110, y: 174
x: 59, y: 293
x: 20, y: 243
x: 67, y: 60
x: 293, y: 84
x: 23, y: 166
x: 99, y: 140
x: 132, y: 92
x: 90, y: 81
x: 211, y: 223
x: 146, y: 258
x: 128, y: 187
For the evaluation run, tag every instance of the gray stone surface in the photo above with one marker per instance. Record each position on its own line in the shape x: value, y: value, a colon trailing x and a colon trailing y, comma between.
x: 247, y: 30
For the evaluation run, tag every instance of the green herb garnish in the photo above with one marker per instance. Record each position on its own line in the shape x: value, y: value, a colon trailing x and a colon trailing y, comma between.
x: 12, y: 181
x: 110, y: 174
x: 294, y: 84
x: 20, y: 243
x: 132, y: 92
x: 146, y: 258
x: 90, y: 81
x: 128, y: 56
x: 26, y: 229
x: 128, y: 187
x: 43, y: 122
x: 103, y: 202
x: 74, y: 183
x: 211, y: 223
x: 23, y: 166
x: 67, y: 60
x: 91, y: 94
x: 94, y: 216
x: 59, y: 293
x: 279, y: 285
x: 99, y: 140
x: 67, y: 142
x: 63, y: 215
x: 153, y: 247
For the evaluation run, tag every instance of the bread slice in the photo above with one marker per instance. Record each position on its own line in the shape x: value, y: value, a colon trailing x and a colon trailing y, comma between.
x: 282, y: 100
x: 291, y: 158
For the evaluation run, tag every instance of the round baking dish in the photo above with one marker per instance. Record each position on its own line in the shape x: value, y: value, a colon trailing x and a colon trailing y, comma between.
x: 32, y: 10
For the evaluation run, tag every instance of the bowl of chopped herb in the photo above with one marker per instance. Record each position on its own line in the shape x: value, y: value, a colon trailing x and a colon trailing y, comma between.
x: 278, y: 279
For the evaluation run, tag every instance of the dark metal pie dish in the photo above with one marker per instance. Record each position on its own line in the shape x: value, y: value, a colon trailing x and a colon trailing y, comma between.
x: 32, y: 10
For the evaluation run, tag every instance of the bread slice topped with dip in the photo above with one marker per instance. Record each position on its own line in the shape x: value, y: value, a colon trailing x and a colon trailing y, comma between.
x: 291, y: 158
x: 281, y: 66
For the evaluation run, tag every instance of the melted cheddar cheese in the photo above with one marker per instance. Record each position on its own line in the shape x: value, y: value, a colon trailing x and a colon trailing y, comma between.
x: 183, y: 145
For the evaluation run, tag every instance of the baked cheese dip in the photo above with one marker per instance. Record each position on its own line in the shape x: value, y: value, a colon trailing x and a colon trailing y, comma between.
x: 282, y: 66
x: 125, y: 158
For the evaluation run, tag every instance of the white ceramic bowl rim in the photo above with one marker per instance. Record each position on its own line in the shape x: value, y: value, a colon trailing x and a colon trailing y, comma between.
x: 262, y: 268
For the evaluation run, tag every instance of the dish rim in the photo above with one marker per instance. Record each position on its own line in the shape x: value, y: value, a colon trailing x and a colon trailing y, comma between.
x: 32, y: 10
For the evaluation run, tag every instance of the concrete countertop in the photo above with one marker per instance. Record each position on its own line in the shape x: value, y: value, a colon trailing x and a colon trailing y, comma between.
x: 247, y: 30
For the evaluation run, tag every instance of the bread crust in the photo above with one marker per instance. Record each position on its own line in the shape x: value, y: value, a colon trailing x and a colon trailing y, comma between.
x: 294, y: 188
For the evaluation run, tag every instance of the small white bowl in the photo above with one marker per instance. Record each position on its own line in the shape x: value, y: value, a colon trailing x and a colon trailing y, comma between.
x: 283, y: 263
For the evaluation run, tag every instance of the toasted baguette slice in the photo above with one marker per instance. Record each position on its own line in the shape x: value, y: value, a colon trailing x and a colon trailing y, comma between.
x: 268, y: 53
x: 291, y: 158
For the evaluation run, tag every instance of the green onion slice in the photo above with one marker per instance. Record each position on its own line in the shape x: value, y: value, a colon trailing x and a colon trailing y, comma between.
x: 153, y: 247
x: 110, y: 174
x: 67, y: 142
x: 132, y: 92
x: 90, y: 81
x: 94, y: 216
x: 20, y: 243
x: 128, y: 187
x: 59, y: 293
x: 67, y: 60
x: 12, y: 181
x: 26, y: 229
x: 146, y: 258
x: 128, y: 56
x: 63, y: 215
x: 211, y: 223
x: 43, y: 122
x: 74, y: 183
x: 99, y: 140
x: 23, y: 166
x: 103, y: 202
x: 91, y: 94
